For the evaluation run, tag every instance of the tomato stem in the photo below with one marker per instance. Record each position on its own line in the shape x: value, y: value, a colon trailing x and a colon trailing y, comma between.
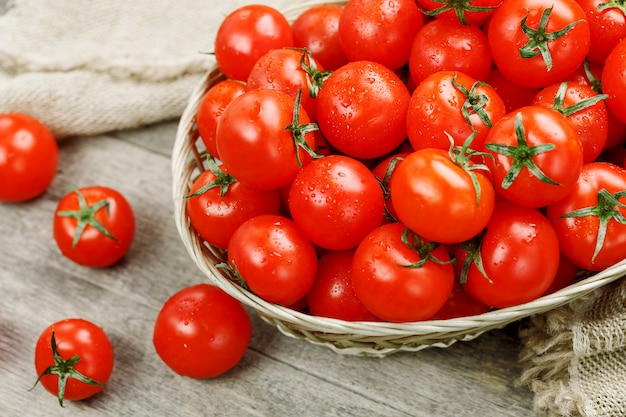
x: 222, y: 180
x: 474, y: 102
x: 315, y: 77
x: 423, y: 249
x: 233, y: 273
x: 86, y: 215
x: 605, y: 210
x: 581, y: 105
x: 384, y: 185
x: 459, y: 7
x: 613, y: 4
x: 461, y: 155
x: 299, y: 131
x: 522, y: 155
x: 474, y: 257
x: 64, y: 369
x: 539, y: 38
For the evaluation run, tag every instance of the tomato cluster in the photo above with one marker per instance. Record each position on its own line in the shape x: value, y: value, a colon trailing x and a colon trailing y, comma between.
x: 411, y: 160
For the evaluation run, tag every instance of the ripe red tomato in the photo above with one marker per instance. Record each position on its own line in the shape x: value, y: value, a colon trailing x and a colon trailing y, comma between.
x: 254, y: 143
x: 274, y: 259
x: 211, y: 108
x: 379, y: 30
x: 535, y: 43
x: 74, y: 359
x: 437, y: 199
x: 362, y: 108
x: 614, y: 81
x: 447, y: 45
x: 451, y: 104
x: 336, y: 201
x: 202, y: 332
x: 94, y: 226
x: 317, y: 29
x: 29, y: 156
x: 536, y: 156
x: 584, y: 108
x: 460, y: 304
x: 399, y: 277
x: 246, y: 34
x: 218, y: 204
x: 519, y: 253
x: 332, y: 293
x: 590, y: 219
x: 607, y: 26
x: 472, y: 11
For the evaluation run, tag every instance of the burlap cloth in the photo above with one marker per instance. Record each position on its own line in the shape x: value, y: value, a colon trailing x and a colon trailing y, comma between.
x: 91, y: 66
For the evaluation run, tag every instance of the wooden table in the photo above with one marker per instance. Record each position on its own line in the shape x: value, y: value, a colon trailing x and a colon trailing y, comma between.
x: 278, y: 376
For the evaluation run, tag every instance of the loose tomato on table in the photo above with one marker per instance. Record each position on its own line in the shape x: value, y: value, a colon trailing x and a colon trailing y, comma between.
x: 399, y: 276
x: 94, y: 226
x: 29, y: 156
x: 74, y: 359
x: 202, y: 332
x: 535, y: 43
x: 590, y: 220
x: 536, y: 156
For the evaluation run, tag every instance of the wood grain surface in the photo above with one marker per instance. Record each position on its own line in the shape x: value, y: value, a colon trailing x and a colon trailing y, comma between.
x: 278, y: 376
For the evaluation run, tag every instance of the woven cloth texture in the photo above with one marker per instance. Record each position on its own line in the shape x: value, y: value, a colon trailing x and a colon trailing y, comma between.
x: 90, y: 66
x: 574, y: 357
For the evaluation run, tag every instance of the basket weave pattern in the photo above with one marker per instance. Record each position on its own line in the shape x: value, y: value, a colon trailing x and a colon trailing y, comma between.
x: 355, y: 338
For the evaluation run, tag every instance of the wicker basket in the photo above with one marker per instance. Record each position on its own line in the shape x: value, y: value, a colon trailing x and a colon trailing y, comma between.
x: 355, y: 338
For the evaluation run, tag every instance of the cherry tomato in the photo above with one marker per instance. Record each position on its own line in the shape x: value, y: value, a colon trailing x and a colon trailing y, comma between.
x: 211, y: 108
x: 332, y: 293
x: 449, y: 104
x: 607, y: 26
x: 202, y: 332
x: 362, y: 108
x: 274, y: 259
x: 29, y: 156
x: 614, y: 81
x: 218, y: 204
x: 590, y: 219
x: 536, y: 156
x: 447, y: 45
x: 74, y: 359
x: 519, y: 254
x: 379, y: 30
x: 336, y: 201
x: 317, y: 29
x: 535, y: 43
x: 246, y: 34
x: 254, y: 143
x: 94, y: 226
x: 438, y: 199
x: 399, y: 277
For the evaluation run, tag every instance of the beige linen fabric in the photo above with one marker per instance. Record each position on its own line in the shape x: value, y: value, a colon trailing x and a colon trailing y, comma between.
x: 574, y: 357
x: 90, y: 66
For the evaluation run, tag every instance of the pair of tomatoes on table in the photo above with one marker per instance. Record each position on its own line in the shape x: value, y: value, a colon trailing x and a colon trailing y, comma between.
x: 404, y: 161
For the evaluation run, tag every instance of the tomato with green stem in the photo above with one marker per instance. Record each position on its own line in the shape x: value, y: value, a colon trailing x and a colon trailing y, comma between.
x: 607, y: 26
x: 201, y: 332
x: 590, y: 220
x: 464, y: 11
x: 536, y: 156
x: 29, y: 156
x: 94, y: 226
x: 74, y: 359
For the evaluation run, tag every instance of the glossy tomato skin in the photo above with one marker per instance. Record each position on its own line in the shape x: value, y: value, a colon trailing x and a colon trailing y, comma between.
x: 332, y: 293
x: 389, y: 288
x: 562, y: 164
x: 437, y: 106
x: 202, y: 332
x: 76, y: 336
x: 447, y: 45
x: 275, y: 260
x: 317, y: 29
x: 215, y: 217
x: 513, y: 95
x: 578, y: 236
x: 607, y: 27
x: 29, y: 157
x: 94, y: 248
x: 379, y: 30
x: 614, y: 81
x: 506, y: 40
x: 211, y: 108
x: 336, y: 201
x: 435, y: 198
x: 520, y: 255
x: 362, y: 108
x: 246, y: 34
x: 460, y: 304
x: 253, y: 143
